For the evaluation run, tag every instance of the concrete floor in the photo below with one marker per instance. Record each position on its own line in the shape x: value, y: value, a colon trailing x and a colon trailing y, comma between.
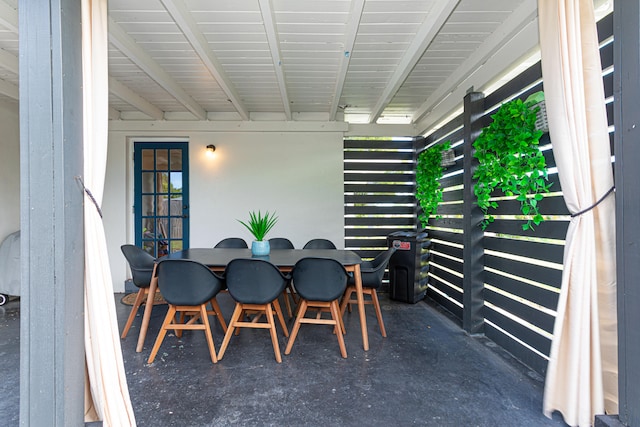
x: 427, y: 372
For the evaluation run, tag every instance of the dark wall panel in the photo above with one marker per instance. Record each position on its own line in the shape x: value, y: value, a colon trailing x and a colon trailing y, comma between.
x: 519, y: 351
x: 521, y: 297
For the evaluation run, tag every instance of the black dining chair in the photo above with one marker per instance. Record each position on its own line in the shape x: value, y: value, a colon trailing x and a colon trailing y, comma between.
x: 320, y: 282
x: 255, y: 285
x: 232, y: 242
x: 188, y: 286
x: 280, y: 243
x: 372, y: 273
x: 141, y: 265
x: 319, y: 244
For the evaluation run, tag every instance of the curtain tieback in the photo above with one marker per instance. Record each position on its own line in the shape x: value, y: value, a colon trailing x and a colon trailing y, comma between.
x: 93, y: 199
x: 611, y: 190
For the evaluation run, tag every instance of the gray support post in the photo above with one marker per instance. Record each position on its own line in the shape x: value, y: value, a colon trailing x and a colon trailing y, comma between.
x: 626, y: 32
x: 51, y: 215
x: 473, y: 254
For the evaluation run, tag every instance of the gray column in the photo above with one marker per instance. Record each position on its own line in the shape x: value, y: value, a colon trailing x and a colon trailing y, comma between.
x: 473, y: 255
x: 51, y: 215
x: 626, y: 20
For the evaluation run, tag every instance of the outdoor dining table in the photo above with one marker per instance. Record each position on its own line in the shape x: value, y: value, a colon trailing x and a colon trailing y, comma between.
x: 285, y: 259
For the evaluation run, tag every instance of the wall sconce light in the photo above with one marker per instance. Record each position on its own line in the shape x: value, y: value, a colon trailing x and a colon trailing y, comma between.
x: 211, y: 149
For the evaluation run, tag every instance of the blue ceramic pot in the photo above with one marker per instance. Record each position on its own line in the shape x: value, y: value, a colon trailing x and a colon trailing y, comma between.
x: 260, y: 247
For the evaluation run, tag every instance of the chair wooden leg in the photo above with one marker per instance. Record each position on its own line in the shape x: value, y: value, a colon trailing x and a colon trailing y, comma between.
x: 302, y: 309
x: 287, y: 303
x: 335, y: 313
x: 376, y: 304
x: 276, y: 305
x: 178, y: 332
x: 345, y: 300
x: 163, y: 331
x: 340, y: 320
x: 237, y: 312
x: 140, y: 297
x: 294, y: 296
x: 207, y: 333
x: 274, y: 335
x: 218, y: 313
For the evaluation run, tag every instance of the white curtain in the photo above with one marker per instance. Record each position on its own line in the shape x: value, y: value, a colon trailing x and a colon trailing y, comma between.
x: 582, y: 375
x: 107, y: 394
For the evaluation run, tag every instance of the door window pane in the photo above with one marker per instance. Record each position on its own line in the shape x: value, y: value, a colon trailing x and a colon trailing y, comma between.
x: 176, y: 207
x: 148, y: 207
x: 147, y: 159
x: 148, y: 179
x: 162, y: 160
x: 176, y: 160
x: 176, y: 182
x: 176, y: 228
x: 163, y: 182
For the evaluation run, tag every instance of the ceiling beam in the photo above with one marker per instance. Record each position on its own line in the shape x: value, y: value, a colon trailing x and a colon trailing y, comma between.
x: 427, y: 32
x: 169, y: 128
x: 9, y: 17
x: 357, y: 6
x: 189, y: 27
x: 132, y: 98
x: 127, y: 45
x: 274, y: 47
x: 520, y: 17
x: 114, y: 114
x: 9, y: 89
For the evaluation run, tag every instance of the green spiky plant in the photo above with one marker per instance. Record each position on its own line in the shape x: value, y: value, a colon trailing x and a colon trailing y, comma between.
x: 259, y: 225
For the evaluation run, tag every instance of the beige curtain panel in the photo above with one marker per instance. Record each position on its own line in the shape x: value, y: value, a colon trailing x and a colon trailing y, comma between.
x: 582, y: 375
x: 107, y: 393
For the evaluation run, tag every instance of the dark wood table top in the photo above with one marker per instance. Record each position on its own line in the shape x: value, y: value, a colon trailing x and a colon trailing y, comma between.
x: 220, y: 257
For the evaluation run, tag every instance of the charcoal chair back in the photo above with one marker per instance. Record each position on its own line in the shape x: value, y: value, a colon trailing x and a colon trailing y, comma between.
x: 254, y: 281
x: 319, y: 244
x: 141, y: 264
x: 187, y: 282
x: 232, y: 242
x: 319, y: 279
x: 280, y: 243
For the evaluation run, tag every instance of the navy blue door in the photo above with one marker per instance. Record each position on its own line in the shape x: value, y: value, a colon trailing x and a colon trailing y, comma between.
x: 161, y: 196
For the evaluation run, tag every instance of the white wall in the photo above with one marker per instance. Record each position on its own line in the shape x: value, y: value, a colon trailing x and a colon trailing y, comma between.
x: 9, y: 169
x: 297, y: 174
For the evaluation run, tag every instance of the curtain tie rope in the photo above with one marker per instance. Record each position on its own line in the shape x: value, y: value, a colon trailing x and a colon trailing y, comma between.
x: 611, y: 190
x: 93, y: 199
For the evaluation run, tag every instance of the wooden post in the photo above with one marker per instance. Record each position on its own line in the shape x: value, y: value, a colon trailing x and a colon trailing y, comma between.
x: 627, y: 151
x: 51, y: 215
x: 473, y: 255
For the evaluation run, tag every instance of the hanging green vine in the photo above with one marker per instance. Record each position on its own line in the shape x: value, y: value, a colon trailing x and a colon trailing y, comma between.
x: 428, y: 174
x: 511, y: 161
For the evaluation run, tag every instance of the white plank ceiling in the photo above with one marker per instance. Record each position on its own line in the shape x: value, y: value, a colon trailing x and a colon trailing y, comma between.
x: 365, y: 61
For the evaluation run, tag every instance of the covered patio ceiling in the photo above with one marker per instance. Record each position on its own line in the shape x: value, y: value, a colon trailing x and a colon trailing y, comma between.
x: 361, y: 61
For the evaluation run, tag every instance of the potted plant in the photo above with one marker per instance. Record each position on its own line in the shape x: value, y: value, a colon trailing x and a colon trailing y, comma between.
x: 429, y: 170
x: 510, y: 160
x: 259, y: 225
